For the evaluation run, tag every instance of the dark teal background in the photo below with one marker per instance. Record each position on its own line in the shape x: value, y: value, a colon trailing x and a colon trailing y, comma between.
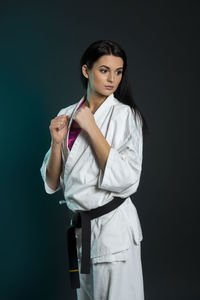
x: 41, y: 44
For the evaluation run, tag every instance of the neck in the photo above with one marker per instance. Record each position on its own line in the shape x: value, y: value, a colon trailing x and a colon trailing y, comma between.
x: 94, y: 100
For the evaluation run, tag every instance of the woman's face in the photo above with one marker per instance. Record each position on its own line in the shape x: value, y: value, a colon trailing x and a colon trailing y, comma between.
x: 106, y: 71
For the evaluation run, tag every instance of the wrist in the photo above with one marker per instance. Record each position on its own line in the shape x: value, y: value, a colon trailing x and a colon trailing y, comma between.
x: 55, y: 144
x: 92, y: 129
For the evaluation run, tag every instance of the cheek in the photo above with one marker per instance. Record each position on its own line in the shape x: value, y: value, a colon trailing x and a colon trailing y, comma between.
x: 99, y: 78
x: 95, y: 80
x: 119, y: 80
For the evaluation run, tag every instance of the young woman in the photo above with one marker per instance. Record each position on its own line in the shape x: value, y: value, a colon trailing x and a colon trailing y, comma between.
x: 96, y: 158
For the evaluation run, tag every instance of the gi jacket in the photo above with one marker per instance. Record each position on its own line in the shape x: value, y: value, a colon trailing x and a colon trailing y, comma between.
x: 86, y: 186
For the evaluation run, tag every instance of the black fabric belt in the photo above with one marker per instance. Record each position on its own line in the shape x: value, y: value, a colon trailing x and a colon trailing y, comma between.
x: 81, y: 219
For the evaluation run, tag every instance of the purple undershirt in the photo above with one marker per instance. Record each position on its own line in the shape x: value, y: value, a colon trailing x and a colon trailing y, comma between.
x: 73, y: 133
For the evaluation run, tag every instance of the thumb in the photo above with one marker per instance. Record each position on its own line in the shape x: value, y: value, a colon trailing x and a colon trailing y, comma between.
x: 67, y: 118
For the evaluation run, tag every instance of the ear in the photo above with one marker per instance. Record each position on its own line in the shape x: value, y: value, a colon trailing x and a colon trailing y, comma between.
x: 85, y: 70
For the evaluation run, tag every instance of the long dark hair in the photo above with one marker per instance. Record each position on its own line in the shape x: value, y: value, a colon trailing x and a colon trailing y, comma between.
x: 123, y: 92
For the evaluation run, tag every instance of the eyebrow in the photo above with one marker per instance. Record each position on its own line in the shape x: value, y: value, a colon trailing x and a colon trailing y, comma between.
x: 109, y: 68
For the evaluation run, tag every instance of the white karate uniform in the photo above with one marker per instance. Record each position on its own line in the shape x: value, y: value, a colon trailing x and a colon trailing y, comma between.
x: 116, y: 236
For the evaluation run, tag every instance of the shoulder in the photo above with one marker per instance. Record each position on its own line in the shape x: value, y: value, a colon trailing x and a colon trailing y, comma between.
x: 124, y: 114
x: 126, y: 127
x: 124, y: 111
x: 120, y: 108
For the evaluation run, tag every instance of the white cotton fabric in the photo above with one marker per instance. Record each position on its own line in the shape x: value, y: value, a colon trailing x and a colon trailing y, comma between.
x: 86, y: 186
x: 121, y: 279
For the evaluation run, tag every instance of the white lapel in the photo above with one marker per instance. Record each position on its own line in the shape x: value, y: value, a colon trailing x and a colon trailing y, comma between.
x: 82, y: 140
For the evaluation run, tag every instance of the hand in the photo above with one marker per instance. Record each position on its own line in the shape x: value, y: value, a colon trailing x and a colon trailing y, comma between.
x: 58, y: 128
x: 84, y: 118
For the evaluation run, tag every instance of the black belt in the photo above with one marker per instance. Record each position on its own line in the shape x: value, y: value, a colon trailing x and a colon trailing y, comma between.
x: 81, y: 219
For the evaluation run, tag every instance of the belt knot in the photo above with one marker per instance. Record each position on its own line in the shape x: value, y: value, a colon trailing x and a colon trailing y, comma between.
x: 76, y: 219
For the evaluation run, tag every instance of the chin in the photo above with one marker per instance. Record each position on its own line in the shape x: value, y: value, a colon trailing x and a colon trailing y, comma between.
x: 103, y: 93
x: 108, y: 92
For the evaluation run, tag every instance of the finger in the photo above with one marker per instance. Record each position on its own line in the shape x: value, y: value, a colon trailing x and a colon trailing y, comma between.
x: 68, y: 119
x: 65, y: 119
x: 60, y: 118
x: 57, y: 124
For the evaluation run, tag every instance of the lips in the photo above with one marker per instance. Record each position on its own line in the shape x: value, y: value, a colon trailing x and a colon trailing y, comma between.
x: 110, y: 87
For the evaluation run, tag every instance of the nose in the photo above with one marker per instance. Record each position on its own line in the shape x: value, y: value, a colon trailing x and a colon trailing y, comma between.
x: 111, y: 77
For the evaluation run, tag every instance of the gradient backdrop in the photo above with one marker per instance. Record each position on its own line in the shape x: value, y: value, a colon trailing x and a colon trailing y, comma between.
x: 41, y: 44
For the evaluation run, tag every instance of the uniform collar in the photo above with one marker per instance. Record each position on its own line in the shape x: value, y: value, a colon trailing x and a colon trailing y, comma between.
x: 100, y: 112
x: 103, y: 108
x: 100, y: 116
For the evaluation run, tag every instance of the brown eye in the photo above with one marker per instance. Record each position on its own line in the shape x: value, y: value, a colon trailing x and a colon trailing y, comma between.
x: 103, y: 70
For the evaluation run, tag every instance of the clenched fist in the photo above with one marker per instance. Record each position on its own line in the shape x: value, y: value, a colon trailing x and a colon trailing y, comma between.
x: 58, y: 128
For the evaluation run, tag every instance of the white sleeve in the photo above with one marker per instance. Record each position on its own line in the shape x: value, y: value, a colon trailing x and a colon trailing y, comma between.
x: 48, y: 189
x: 124, y: 163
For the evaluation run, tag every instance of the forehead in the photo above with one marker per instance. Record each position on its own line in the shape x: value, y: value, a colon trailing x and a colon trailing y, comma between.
x: 110, y: 61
